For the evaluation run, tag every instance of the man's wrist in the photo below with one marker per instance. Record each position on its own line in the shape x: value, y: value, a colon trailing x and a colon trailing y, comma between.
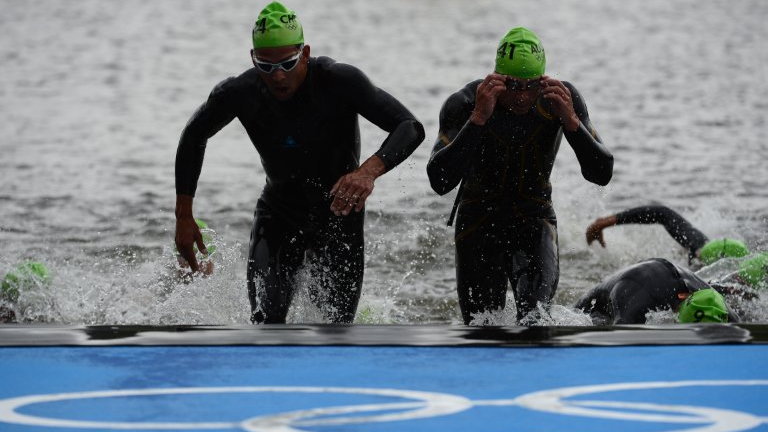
x: 373, y: 166
x: 608, y: 221
x: 572, y: 124
x: 184, y: 206
x: 476, y: 119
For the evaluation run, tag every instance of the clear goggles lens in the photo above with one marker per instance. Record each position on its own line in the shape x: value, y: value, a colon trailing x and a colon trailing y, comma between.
x: 286, y: 65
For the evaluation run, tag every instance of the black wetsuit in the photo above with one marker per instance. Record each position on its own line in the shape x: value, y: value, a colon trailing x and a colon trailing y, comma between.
x: 677, y: 226
x: 306, y: 144
x: 506, y: 230
x: 629, y: 294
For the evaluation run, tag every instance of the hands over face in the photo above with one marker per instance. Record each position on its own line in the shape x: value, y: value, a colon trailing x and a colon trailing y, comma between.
x: 562, y: 105
x: 487, y: 94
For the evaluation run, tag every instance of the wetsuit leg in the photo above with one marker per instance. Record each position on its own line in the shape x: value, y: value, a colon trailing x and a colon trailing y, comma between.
x: 532, y: 263
x: 336, y: 257
x: 480, y: 278
x: 275, y: 254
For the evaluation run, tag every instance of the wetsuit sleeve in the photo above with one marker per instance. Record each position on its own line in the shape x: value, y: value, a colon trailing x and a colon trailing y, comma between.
x: 677, y: 226
x: 383, y: 110
x: 456, y: 144
x: 212, y: 115
x: 595, y: 159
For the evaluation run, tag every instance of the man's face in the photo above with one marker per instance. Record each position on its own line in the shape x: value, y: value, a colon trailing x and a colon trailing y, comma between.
x: 282, y: 83
x: 520, y: 95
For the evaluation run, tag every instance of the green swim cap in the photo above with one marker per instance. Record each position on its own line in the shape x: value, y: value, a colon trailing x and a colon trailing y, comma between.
x: 520, y: 54
x: 753, y: 271
x: 207, y: 238
x: 722, y: 248
x: 706, y: 305
x: 25, y: 275
x: 277, y: 26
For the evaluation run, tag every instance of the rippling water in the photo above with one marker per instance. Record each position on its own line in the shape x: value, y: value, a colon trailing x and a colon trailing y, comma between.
x: 94, y: 95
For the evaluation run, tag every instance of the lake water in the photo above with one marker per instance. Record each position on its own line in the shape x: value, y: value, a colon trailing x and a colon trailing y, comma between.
x: 94, y: 95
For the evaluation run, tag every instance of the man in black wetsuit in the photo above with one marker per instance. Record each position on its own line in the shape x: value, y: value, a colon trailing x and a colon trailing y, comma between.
x: 752, y: 272
x: 656, y: 284
x: 301, y: 113
x: 499, y: 138
x: 699, y: 246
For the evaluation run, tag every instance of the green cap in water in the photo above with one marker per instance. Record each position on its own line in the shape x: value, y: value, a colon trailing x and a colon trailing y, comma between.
x: 706, y: 305
x: 26, y: 275
x: 520, y: 54
x: 207, y: 238
x: 722, y: 248
x: 277, y: 26
x: 753, y: 271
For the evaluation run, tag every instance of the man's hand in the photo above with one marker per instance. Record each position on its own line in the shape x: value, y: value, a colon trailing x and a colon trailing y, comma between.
x: 562, y: 105
x: 351, y: 190
x: 485, y: 100
x: 187, y: 232
x: 595, y: 230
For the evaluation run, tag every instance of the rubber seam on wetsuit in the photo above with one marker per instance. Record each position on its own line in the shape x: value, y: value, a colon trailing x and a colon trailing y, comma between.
x: 543, y: 112
x: 444, y: 139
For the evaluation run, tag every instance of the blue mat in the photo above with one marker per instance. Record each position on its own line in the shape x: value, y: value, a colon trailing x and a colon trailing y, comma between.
x: 710, y: 388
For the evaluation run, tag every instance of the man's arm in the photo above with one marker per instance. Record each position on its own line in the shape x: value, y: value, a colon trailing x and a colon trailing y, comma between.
x: 594, y: 158
x: 677, y: 226
x: 456, y: 144
x: 597, y: 305
x: 382, y: 109
x: 213, y: 115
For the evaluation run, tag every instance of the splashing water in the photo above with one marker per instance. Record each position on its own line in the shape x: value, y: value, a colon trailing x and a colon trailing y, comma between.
x: 87, y: 167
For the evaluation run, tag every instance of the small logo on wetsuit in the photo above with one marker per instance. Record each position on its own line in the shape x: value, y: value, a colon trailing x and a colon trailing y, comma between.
x: 290, y: 143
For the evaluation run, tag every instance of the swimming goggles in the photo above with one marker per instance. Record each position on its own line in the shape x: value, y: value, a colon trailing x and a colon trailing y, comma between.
x: 287, y: 65
x: 517, y: 85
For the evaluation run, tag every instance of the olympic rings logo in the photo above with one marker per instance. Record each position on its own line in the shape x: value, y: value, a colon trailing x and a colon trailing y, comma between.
x: 418, y: 405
